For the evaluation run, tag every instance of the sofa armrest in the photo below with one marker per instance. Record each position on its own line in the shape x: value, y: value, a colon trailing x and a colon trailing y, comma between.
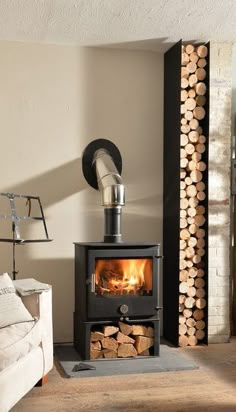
x: 40, y: 306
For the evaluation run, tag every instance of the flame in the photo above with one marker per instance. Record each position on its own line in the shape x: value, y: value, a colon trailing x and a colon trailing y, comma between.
x: 120, y: 276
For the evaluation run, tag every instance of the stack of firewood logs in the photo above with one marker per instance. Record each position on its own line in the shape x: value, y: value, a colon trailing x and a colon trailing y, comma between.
x: 122, y: 341
x: 192, y: 299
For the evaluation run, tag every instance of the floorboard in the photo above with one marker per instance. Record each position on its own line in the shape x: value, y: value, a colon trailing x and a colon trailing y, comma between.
x: 211, y: 388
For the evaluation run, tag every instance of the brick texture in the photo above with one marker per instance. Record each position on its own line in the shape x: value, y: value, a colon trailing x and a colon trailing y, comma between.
x: 219, y: 191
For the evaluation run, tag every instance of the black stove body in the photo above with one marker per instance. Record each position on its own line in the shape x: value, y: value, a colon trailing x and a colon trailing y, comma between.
x: 103, y: 296
x: 115, y: 281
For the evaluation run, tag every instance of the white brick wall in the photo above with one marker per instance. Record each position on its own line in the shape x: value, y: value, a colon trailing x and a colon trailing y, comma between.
x: 219, y: 191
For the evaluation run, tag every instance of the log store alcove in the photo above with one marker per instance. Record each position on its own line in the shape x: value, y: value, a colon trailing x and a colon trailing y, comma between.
x: 185, y: 203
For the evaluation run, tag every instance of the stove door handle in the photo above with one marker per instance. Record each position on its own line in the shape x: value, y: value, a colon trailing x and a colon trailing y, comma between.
x: 91, y: 282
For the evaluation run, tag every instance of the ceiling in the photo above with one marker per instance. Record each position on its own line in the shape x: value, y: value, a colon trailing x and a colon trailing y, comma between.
x: 142, y: 24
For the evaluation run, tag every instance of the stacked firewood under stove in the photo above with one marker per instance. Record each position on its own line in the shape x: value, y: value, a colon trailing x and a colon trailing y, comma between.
x: 121, y: 341
x: 192, y: 291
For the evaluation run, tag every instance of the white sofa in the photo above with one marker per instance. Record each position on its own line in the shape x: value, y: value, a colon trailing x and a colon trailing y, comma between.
x: 26, y: 354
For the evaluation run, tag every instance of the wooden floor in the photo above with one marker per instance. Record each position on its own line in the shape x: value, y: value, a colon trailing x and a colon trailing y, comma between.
x: 212, y: 387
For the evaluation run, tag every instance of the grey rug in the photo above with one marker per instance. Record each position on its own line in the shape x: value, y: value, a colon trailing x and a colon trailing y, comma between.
x: 170, y: 360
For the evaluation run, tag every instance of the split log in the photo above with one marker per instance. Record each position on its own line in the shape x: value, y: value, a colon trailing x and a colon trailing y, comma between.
x: 142, y: 343
x: 184, y: 59
x: 110, y: 330
x: 122, y: 338
x: 149, y: 331
x: 189, y: 302
x: 201, y: 166
x: 201, y: 303
x: 182, y: 319
x: 190, y: 103
x: 183, y: 213
x: 202, y: 139
x: 200, y: 334
x: 188, y: 181
x: 184, y: 234
x: 190, y: 322
x: 183, y: 287
x: 193, y: 201
x: 95, y: 336
x: 109, y: 354
x: 109, y: 343
x: 201, y: 73
x: 198, y: 314
x: 200, y: 233
x: 199, y: 283
x: 196, y: 259
x: 200, y: 88
x: 183, y: 276
x: 182, y: 329
x: 191, y: 67
x: 96, y: 354
x: 200, y: 100
x: 192, y: 81
x: 95, y: 345
x: 199, y: 112
x: 193, y: 123
x: 191, y: 292
x: 201, y: 243
x: 184, y: 72
x: 200, y: 293
x: 190, y: 282
x: 188, y: 115
x: 185, y: 128
x: 193, y: 57
x: 200, y: 186
x: 139, y: 330
x: 183, y: 341
x: 183, y: 139
x: 192, y: 229
x: 202, y: 51
x: 199, y: 219
x: 202, y: 62
x: 200, y: 324
x: 184, y: 83
x: 183, y: 95
x: 193, y: 137
x: 196, y: 175
x: 191, y: 191
x: 127, y: 350
x: 189, y: 48
x: 191, y: 331
x: 201, y: 196
x: 183, y: 205
x: 182, y: 173
x: 192, y: 340
x: 182, y: 244
x: 191, y: 92
x: 192, y: 241
x: 196, y: 157
x: 187, y: 313
x: 193, y: 272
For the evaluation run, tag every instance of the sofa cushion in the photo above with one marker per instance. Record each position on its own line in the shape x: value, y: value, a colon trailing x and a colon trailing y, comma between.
x: 18, y: 340
x: 12, y: 309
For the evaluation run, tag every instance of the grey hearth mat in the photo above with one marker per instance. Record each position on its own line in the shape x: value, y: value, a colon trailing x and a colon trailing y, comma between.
x: 73, y: 367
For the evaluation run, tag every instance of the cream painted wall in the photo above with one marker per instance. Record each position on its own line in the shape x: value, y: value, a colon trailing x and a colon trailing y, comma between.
x: 54, y: 100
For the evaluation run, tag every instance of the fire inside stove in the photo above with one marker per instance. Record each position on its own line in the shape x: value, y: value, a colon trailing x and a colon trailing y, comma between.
x: 123, y: 277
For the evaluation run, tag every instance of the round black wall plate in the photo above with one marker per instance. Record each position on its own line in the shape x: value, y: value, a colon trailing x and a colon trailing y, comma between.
x: 87, y: 159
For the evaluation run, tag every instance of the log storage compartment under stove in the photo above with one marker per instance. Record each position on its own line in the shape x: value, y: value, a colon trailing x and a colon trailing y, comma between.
x: 116, y: 283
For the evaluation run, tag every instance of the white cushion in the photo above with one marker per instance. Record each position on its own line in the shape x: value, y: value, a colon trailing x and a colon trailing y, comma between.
x: 12, y: 309
x: 18, y: 340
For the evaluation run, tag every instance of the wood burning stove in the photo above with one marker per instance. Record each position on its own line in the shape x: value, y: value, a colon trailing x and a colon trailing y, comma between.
x: 116, y: 283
